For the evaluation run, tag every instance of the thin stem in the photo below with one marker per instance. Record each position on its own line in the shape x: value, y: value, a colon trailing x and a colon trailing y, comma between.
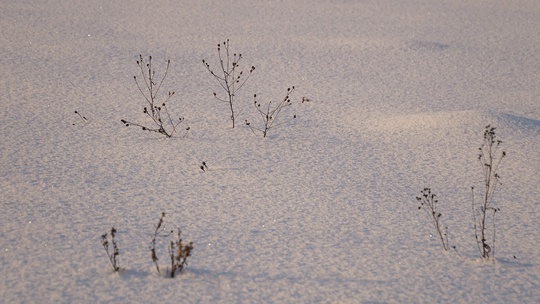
x: 230, y: 82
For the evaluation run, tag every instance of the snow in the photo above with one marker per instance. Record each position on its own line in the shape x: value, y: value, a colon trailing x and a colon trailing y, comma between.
x: 324, y: 209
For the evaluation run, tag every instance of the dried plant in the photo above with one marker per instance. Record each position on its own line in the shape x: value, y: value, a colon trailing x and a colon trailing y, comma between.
x: 429, y: 203
x: 158, y: 112
x: 203, y: 167
x: 230, y: 77
x: 484, y: 212
x: 83, y: 118
x: 157, y: 232
x: 179, y: 252
x: 270, y: 113
x: 113, y: 253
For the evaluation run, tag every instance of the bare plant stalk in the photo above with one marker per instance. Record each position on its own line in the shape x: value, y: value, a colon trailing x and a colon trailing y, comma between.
x: 162, y: 122
x: 270, y: 113
x: 230, y: 78
x: 114, y: 253
x: 84, y: 119
x: 490, y: 160
x: 158, y: 230
x: 428, y: 203
x: 179, y: 252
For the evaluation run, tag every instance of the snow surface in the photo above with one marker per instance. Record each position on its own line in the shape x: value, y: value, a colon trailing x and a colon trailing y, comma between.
x: 324, y: 209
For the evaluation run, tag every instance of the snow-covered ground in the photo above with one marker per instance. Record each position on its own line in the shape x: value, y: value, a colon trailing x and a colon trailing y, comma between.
x: 324, y: 209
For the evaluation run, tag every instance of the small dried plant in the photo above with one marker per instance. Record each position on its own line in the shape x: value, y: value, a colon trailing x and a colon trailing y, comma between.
x: 230, y: 77
x: 270, y: 113
x: 157, y: 232
x: 203, y: 167
x: 484, y: 212
x: 429, y: 203
x: 112, y: 253
x: 158, y: 112
x: 179, y: 252
x: 83, y: 118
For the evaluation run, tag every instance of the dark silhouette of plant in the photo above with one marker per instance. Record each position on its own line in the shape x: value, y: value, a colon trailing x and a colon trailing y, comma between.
x: 203, y: 167
x: 113, y: 253
x: 162, y: 122
x: 490, y: 159
x: 157, y: 233
x: 270, y: 113
x: 429, y: 203
x: 306, y: 99
x: 179, y: 252
x: 230, y: 77
x: 83, y: 118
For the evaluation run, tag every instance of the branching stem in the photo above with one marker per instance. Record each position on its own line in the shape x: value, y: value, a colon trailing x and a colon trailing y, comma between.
x: 231, y: 79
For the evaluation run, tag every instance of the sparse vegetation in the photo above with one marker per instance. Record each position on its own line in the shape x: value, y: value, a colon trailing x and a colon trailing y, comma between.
x: 230, y: 76
x: 157, y: 233
x: 161, y: 120
x: 178, y: 251
x: 484, y: 212
x: 112, y: 253
x: 429, y: 203
x: 83, y: 118
x: 203, y: 167
x: 270, y: 113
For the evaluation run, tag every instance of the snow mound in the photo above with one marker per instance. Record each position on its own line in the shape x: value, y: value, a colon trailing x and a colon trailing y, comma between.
x: 432, y: 121
x: 520, y: 122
